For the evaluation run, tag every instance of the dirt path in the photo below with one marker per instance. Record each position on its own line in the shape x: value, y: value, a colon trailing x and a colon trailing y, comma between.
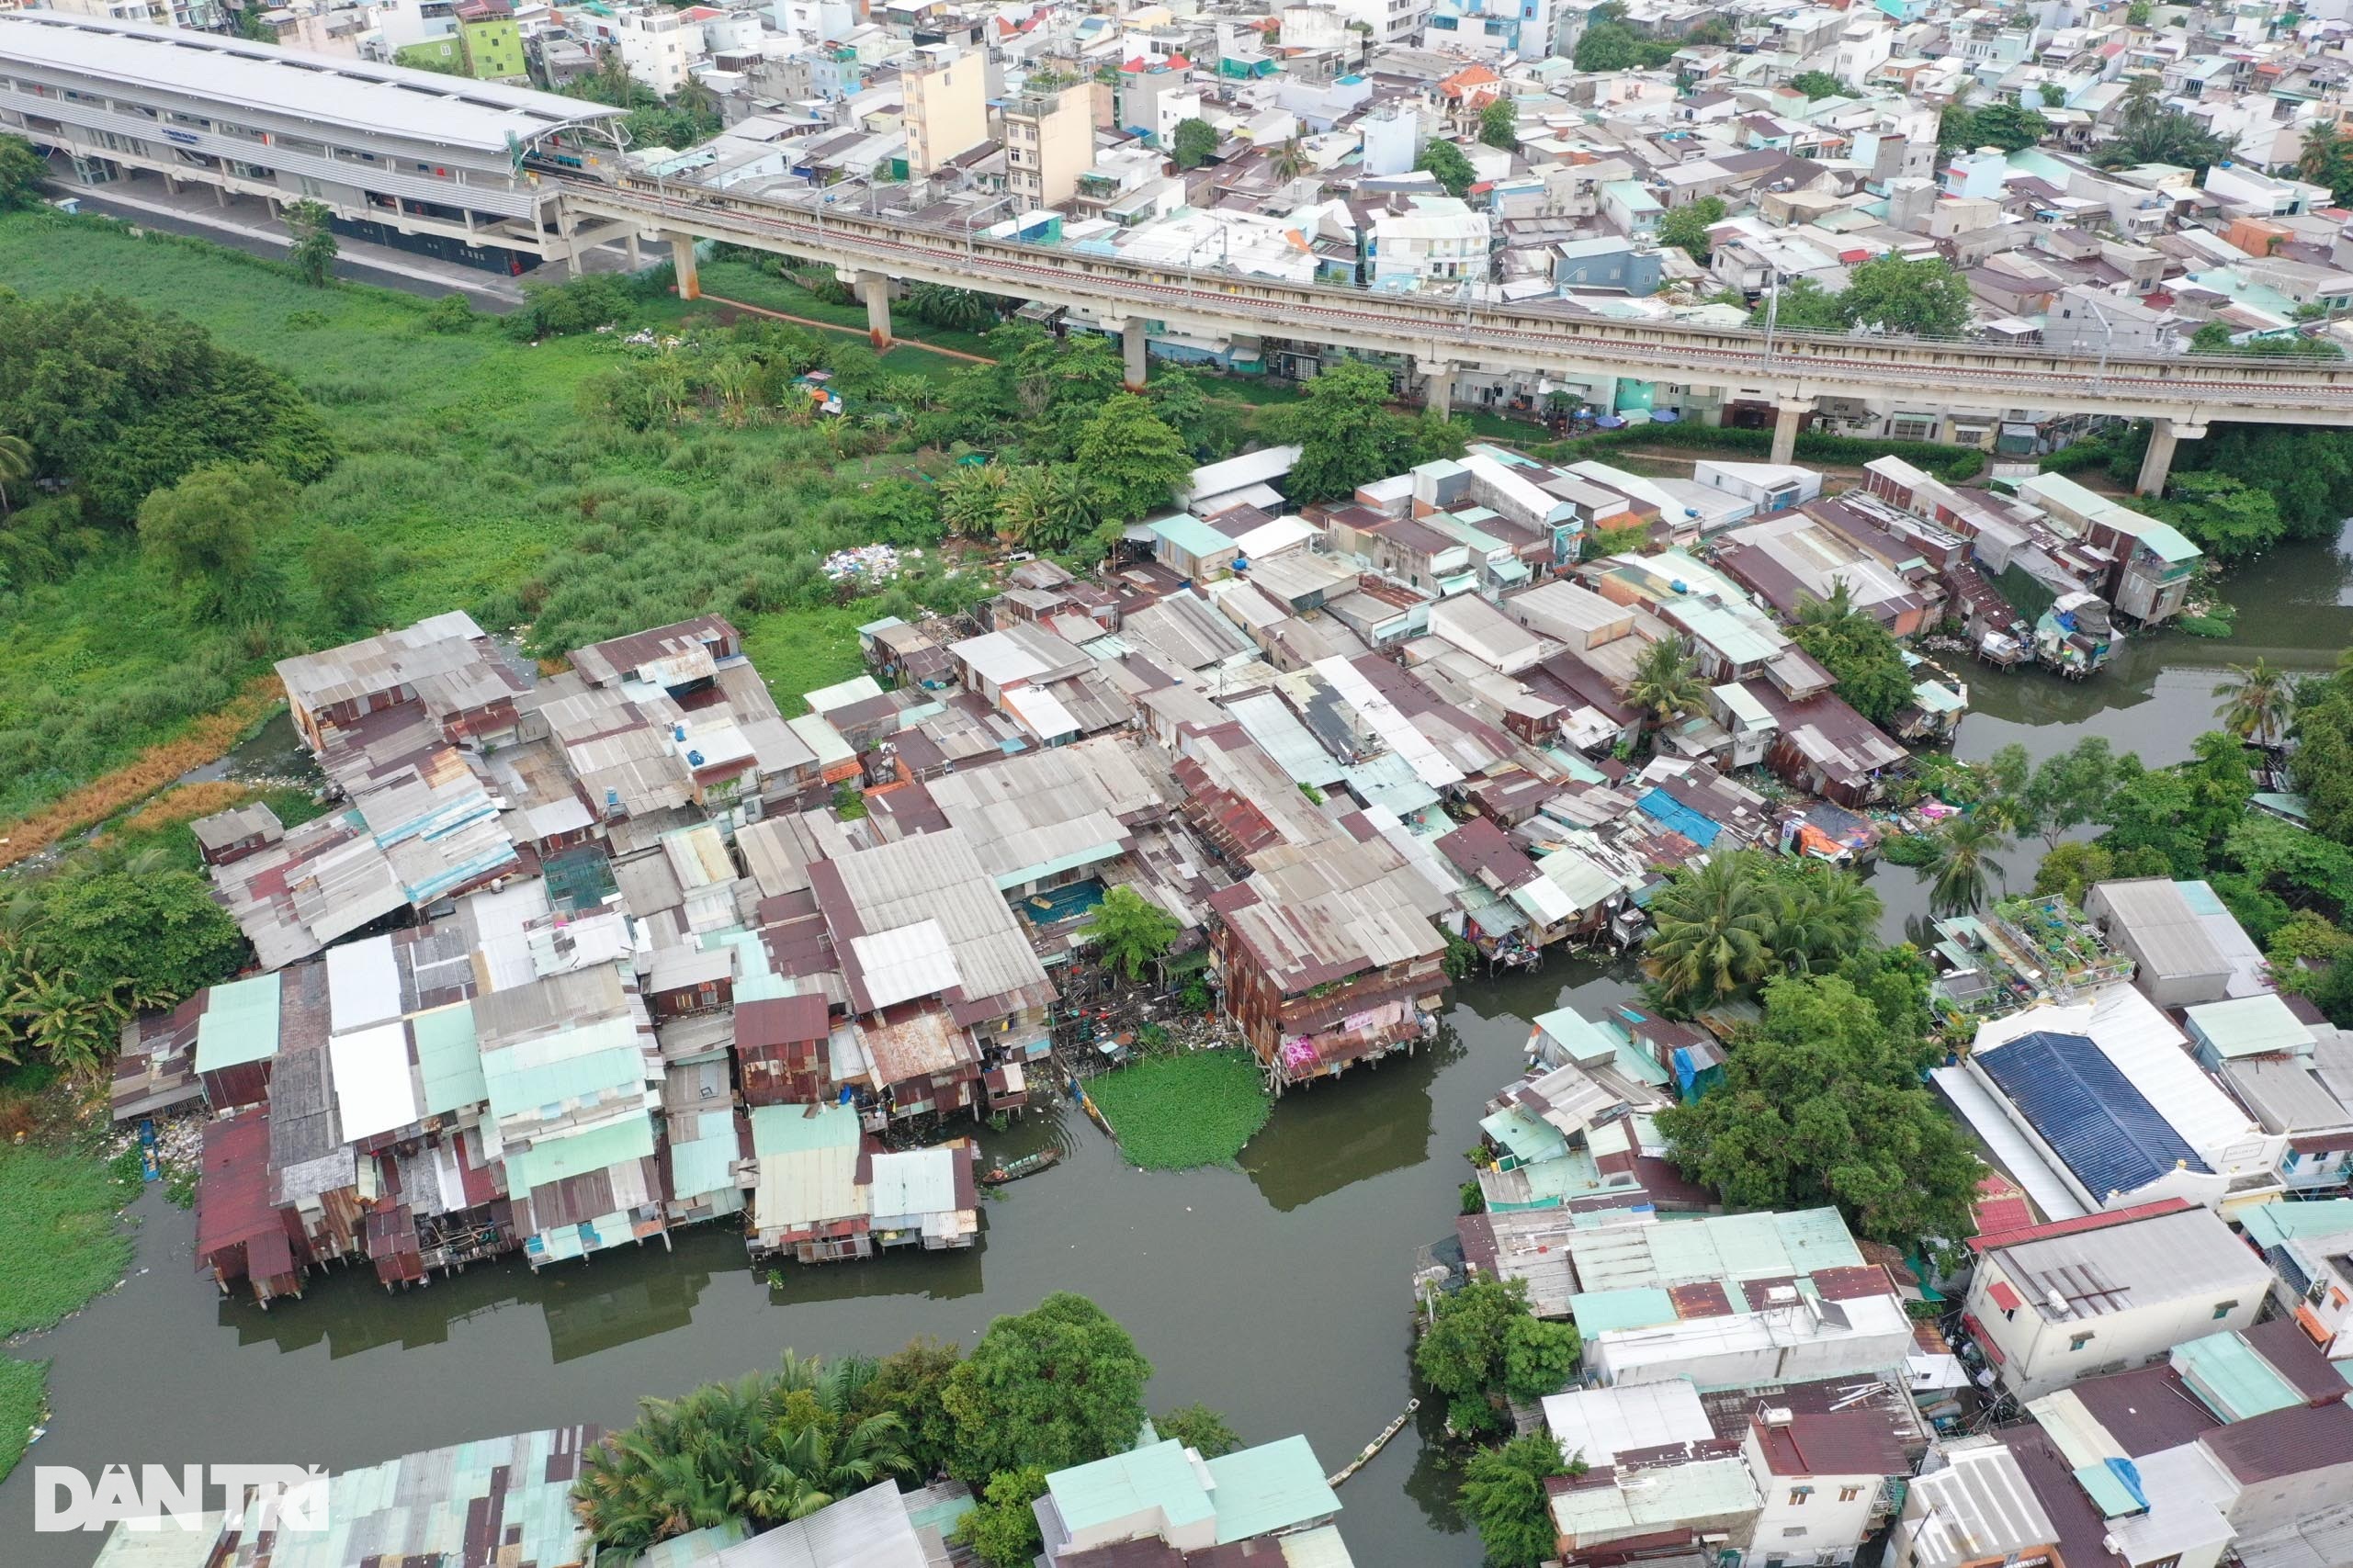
x: 206, y: 740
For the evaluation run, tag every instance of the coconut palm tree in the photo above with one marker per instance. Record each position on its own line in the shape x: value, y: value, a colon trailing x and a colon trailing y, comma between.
x: 1714, y: 929
x: 15, y: 465
x: 1289, y: 161
x: 1959, y: 874
x: 56, y: 1016
x: 2261, y: 700
x: 1826, y: 915
x: 1665, y: 684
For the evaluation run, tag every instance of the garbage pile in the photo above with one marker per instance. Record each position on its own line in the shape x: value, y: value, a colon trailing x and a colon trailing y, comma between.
x: 865, y: 563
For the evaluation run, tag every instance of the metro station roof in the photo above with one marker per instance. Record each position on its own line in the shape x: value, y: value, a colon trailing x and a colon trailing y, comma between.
x: 330, y: 90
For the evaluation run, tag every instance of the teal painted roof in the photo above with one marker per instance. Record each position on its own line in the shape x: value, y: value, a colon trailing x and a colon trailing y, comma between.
x: 2268, y: 1225
x: 1525, y: 1136
x: 239, y: 1025
x: 792, y: 1129
x: 1192, y: 535
x: 1273, y: 1486
x: 2231, y: 1380
x: 2168, y: 541
x: 1158, y: 1478
x: 2249, y: 1026
x: 1584, y: 1040
x: 449, y: 1059
x: 572, y: 1064
x: 2108, y: 1490
x: 700, y: 1164
x: 1598, y: 1311
x: 577, y: 1153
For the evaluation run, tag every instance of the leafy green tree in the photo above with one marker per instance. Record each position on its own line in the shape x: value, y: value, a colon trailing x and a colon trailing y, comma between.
x: 1196, y: 143
x: 343, y: 572
x: 22, y: 169
x: 1921, y: 298
x: 2137, y: 12
x: 907, y: 1385
x: 1666, y: 684
x: 1817, y: 85
x: 1200, y: 1428
x: 1963, y: 865
x: 1445, y: 161
x: 1608, y: 46
x: 958, y: 309
x: 156, y: 934
x: 1468, y: 1349
x: 1001, y: 1528
x: 2182, y: 813
x: 2222, y: 515
x: 972, y: 498
x: 2054, y: 96
x: 1822, y: 1102
x: 2322, y: 764
x: 1051, y: 506
x: 1714, y: 927
x: 206, y: 532
x: 74, y: 1028
x: 1504, y: 1495
x: 2008, y: 126
x: 1057, y: 1386
x: 311, y: 226
x: 1872, y: 677
x: 2149, y: 132
x: 1131, y: 930
x: 119, y: 401
x: 2071, y: 870
x: 1802, y: 305
x: 1345, y: 432
x: 2261, y: 702
x: 2066, y: 790
x: 2327, y: 159
x: 1686, y: 228
x: 1133, y: 462
x: 1500, y: 124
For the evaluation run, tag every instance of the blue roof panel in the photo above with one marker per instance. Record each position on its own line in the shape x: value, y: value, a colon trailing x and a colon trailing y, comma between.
x: 2088, y: 1111
x: 1664, y: 809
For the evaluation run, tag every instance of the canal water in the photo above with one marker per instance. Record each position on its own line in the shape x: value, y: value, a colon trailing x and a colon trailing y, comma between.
x: 1277, y: 1292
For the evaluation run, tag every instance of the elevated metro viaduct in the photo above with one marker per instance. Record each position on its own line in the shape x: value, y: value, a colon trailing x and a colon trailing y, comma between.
x: 508, y: 178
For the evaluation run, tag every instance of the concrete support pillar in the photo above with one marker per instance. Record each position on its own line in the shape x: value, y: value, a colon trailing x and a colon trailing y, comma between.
x: 874, y: 288
x: 1437, y: 383
x: 682, y: 262
x: 1135, y: 344
x: 2157, y: 462
x: 570, y: 229
x: 170, y: 184
x: 1788, y: 419
x: 636, y: 254
x: 220, y: 195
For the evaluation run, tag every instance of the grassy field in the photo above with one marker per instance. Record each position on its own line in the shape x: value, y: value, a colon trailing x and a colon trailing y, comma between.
x: 60, y: 1243
x: 1176, y: 1112
x: 468, y: 466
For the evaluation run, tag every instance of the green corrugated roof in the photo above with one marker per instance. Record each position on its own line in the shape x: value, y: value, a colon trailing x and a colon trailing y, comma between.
x: 2107, y: 1492
x: 1598, y: 1311
x: 2268, y: 1225
x: 2249, y: 1026
x: 1191, y: 535
x: 576, y: 1153
x: 1527, y: 1138
x: 239, y: 1025
x: 449, y: 1059
x: 700, y: 1165
x: 1155, y: 1478
x: 2223, y: 1371
x: 799, y: 1129
x: 1273, y: 1486
x: 2168, y: 541
x: 572, y: 1064
x: 1584, y: 1040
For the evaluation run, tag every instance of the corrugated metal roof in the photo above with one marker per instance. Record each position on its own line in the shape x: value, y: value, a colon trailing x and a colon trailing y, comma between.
x: 239, y: 1025
x: 619, y: 1142
x: 2249, y: 1026
x: 1274, y: 1487
x: 1979, y: 1507
x: 2087, y: 1111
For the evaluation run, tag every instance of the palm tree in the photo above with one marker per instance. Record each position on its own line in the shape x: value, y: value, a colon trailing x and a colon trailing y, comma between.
x: 1960, y: 873
x: 958, y: 310
x: 15, y: 464
x: 2261, y: 700
x: 1289, y: 161
x: 1826, y: 915
x: 972, y: 498
x: 1831, y: 612
x: 1665, y: 685
x: 734, y: 378
x: 1714, y: 929
x: 815, y: 1465
x: 1050, y: 506
x: 55, y: 1015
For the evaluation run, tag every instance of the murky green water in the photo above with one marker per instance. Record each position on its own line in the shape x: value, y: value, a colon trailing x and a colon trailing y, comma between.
x: 1277, y: 1292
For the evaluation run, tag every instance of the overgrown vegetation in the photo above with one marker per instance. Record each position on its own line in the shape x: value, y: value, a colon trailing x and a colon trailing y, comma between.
x: 1176, y: 1112
x: 63, y: 1243
x: 1483, y: 1350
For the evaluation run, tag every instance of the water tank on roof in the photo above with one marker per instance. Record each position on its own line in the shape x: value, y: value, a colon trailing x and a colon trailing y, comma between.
x: 1691, y: 511
x: 678, y: 732
x: 612, y: 800
x: 693, y: 758
x: 1679, y: 586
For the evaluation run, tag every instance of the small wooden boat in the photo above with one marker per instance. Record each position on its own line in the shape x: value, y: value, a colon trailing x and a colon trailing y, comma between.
x: 1013, y: 1171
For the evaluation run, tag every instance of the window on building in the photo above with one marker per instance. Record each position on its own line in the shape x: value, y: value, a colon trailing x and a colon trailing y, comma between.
x: 1849, y: 1494
x: 1798, y: 1495
x: 2224, y: 1309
